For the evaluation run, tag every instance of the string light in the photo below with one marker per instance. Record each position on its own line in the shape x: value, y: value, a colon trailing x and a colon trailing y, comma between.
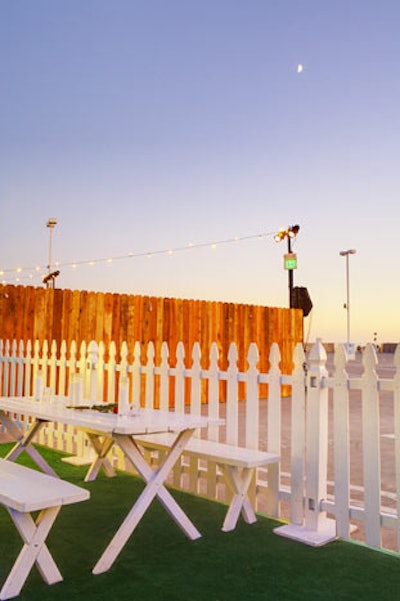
x: 19, y: 274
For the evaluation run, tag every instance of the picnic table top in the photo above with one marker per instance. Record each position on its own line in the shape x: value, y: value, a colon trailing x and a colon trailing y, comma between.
x: 141, y: 421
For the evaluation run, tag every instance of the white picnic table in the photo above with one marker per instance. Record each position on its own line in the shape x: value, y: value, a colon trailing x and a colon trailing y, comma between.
x: 104, y: 430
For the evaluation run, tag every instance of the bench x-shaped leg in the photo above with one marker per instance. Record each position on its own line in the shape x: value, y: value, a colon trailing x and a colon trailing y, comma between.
x: 24, y: 440
x: 34, y: 551
x: 239, y: 482
x: 101, y: 446
x: 155, y: 487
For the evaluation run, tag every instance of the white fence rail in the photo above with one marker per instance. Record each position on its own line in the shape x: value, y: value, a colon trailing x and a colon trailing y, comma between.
x: 338, y: 435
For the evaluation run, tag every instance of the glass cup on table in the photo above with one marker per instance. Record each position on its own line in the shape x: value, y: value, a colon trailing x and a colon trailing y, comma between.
x: 76, y: 390
x: 123, y: 396
x: 38, y: 393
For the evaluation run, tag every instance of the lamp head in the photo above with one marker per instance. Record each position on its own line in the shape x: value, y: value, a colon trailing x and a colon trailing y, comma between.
x: 293, y: 231
x: 290, y: 232
x: 351, y: 251
x: 280, y: 235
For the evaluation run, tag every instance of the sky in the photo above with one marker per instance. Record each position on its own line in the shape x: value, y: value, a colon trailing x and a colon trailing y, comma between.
x: 205, y: 126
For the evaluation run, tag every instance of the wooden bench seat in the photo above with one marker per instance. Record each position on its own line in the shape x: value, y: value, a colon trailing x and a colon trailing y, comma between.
x: 23, y: 490
x: 238, y: 464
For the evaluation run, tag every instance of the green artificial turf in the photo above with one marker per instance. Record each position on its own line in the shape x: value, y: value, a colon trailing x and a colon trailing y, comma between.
x: 160, y: 564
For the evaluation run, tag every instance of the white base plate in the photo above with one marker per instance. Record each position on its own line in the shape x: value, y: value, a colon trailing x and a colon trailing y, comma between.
x: 308, y: 536
x: 76, y: 460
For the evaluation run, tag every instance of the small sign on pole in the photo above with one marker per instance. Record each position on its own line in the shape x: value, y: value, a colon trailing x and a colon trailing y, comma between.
x: 290, y: 261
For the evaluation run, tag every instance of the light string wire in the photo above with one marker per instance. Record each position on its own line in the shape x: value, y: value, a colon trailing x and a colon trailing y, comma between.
x: 27, y: 273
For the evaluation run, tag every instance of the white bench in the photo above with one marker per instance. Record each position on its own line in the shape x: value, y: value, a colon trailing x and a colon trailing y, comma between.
x: 23, y: 490
x: 238, y: 465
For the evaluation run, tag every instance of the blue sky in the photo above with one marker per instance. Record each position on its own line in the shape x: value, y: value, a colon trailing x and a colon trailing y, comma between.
x: 149, y: 125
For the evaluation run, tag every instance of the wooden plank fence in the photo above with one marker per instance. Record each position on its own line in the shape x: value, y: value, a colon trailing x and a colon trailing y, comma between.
x: 28, y: 313
x: 335, y: 452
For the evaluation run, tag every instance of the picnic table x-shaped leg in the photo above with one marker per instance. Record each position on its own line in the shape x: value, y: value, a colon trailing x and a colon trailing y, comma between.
x: 24, y: 440
x: 155, y: 487
x: 239, y: 482
x: 34, y: 535
x: 102, y: 445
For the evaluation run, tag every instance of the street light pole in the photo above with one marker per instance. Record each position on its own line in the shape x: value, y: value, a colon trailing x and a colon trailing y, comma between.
x: 51, y: 223
x: 290, y: 273
x: 347, y: 253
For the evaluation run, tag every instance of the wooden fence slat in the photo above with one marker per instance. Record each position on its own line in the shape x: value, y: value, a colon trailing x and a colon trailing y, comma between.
x: 107, y: 319
x: 99, y: 327
x: 56, y: 324
x: 74, y: 318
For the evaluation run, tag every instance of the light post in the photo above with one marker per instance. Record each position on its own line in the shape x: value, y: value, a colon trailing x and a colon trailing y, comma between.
x: 51, y: 276
x: 347, y: 253
x: 290, y: 260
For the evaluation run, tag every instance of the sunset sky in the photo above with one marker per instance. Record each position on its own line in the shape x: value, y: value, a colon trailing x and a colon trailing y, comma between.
x: 150, y: 125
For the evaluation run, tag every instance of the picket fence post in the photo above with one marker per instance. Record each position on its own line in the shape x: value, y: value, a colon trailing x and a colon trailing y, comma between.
x: 28, y: 370
x: 164, y: 377
x: 274, y: 429
x: 149, y: 371
x: 213, y: 392
x: 396, y: 415
x: 317, y: 437
x: 136, y: 380
x: 195, y: 387
x: 298, y: 436
x: 53, y: 367
x: 36, y: 366
x: 252, y: 401
x: 13, y: 366
x: 371, y: 448
x: 179, y: 372
x: 341, y: 436
x: 317, y: 529
x: 62, y: 369
x: 232, y: 404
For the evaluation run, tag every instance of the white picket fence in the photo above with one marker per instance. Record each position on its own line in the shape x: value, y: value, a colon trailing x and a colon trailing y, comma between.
x: 335, y: 451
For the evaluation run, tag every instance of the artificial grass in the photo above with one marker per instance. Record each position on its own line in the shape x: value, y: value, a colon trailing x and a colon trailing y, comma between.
x: 160, y: 564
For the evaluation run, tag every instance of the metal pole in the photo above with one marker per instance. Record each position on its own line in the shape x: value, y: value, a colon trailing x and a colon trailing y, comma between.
x: 348, y: 299
x: 347, y: 253
x: 51, y: 223
x: 290, y: 274
x: 50, y: 249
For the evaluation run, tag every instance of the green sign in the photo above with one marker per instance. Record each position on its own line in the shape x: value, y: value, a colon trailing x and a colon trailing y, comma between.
x: 290, y: 261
